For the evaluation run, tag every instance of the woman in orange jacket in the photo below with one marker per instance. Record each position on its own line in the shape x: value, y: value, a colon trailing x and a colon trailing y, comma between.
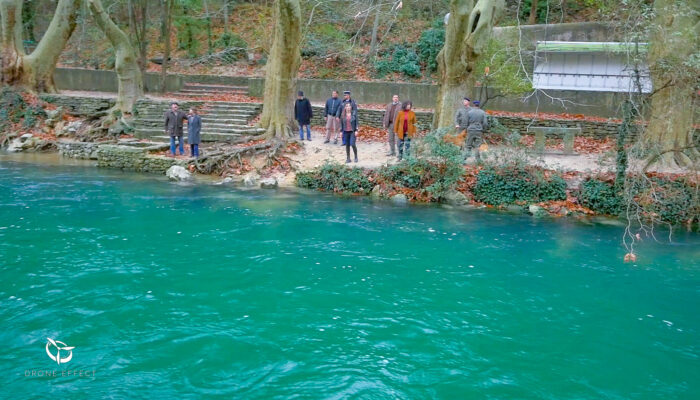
x: 405, y: 127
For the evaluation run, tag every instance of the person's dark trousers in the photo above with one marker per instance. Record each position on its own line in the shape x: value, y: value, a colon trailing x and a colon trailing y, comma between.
x: 194, y: 150
x: 180, y: 142
x: 301, y: 132
x: 473, y: 142
x: 407, y: 142
x: 349, y: 141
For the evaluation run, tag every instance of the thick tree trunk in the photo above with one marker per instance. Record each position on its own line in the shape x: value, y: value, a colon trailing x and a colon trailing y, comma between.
x: 34, y: 71
x: 281, y: 70
x: 168, y: 18
x: 533, y: 13
x: 468, y: 31
x: 128, y: 72
x: 675, y: 37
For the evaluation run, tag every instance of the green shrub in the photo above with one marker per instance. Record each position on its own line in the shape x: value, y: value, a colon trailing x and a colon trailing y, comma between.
x: 433, y: 171
x: 499, y: 185
x: 429, y: 45
x: 669, y: 201
x: 237, y: 45
x: 600, y: 197
x: 337, y: 178
x: 401, y: 59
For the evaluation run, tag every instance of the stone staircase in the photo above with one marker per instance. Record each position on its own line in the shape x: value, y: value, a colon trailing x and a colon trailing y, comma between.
x: 221, y: 121
x: 199, y: 90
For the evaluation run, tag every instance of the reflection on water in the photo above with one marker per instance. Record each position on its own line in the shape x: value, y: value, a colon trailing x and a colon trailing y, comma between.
x: 209, y: 291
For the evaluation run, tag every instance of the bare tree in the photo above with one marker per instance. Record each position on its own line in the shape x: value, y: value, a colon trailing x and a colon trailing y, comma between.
x: 33, y: 71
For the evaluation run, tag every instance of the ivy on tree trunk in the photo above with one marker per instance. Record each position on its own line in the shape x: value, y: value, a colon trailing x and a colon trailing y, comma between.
x: 33, y: 71
x: 467, y: 34
x: 281, y: 70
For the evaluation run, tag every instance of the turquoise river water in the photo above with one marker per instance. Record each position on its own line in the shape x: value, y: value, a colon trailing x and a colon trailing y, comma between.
x: 167, y: 291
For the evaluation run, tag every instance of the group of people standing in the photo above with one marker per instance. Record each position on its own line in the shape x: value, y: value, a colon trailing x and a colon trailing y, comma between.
x: 341, y: 120
x: 340, y: 117
x: 174, y: 124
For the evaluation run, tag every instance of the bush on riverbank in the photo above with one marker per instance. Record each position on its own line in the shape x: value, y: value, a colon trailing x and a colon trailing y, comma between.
x: 668, y: 201
x: 16, y: 106
x: 435, y: 170
x: 600, y: 197
x: 337, y: 178
x: 511, y: 184
x: 654, y: 198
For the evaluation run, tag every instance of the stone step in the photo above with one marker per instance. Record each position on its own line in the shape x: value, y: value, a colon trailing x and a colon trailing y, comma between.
x: 203, y: 94
x: 209, y: 110
x: 232, y: 130
x: 211, y: 86
x: 203, y: 113
x: 212, y: 92
x: 205, y: 137
x: 205, y: 128
x: 208, y: 107
x: 205, y: 121
x: 150, y: 132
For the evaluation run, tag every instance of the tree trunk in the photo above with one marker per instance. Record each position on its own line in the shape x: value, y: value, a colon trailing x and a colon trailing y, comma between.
x: 675, y: 37
x: 138, y: 29
x: 281, y: 70
x: 375, y: 28
x: 468, y: 32
x: 207, y: 16
x: 34, y: 71
x: 168, y: 9
x: 533, y: 13
x: 128, y: 72
x: 226, y: 16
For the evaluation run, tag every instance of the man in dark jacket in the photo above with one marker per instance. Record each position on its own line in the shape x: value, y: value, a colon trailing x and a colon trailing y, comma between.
x: 346, y: 99
x: 303, y: 115
x: 330, y: 115
x: 392, y: 109
x: 194, y: 127
x: 173, y: 127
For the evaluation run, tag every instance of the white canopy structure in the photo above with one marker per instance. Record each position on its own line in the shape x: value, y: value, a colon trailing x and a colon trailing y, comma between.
x: 590, y: 66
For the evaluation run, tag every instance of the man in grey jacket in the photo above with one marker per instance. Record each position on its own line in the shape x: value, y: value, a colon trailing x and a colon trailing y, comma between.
x: 392, y: 109
x: 461, y: 116
x: 173, y: 127
x: 477, y: 123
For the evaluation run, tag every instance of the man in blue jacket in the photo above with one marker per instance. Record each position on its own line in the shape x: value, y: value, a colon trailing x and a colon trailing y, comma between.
x: 330, y: 115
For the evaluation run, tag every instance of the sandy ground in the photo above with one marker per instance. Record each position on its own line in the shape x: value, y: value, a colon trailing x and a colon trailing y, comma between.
x: 372, y: 154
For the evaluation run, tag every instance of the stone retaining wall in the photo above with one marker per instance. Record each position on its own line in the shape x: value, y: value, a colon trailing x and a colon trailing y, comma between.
x: 603, y: 104
x: 79, y: 150
x: 79, y: 106
x: 134, y: 159
x: 374, y: 119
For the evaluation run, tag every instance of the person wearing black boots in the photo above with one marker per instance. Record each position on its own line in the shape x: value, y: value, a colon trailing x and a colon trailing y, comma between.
x: 348, y: 121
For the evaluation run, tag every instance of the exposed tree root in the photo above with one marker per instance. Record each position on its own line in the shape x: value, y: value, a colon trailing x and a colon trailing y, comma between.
x: 226, y: 156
